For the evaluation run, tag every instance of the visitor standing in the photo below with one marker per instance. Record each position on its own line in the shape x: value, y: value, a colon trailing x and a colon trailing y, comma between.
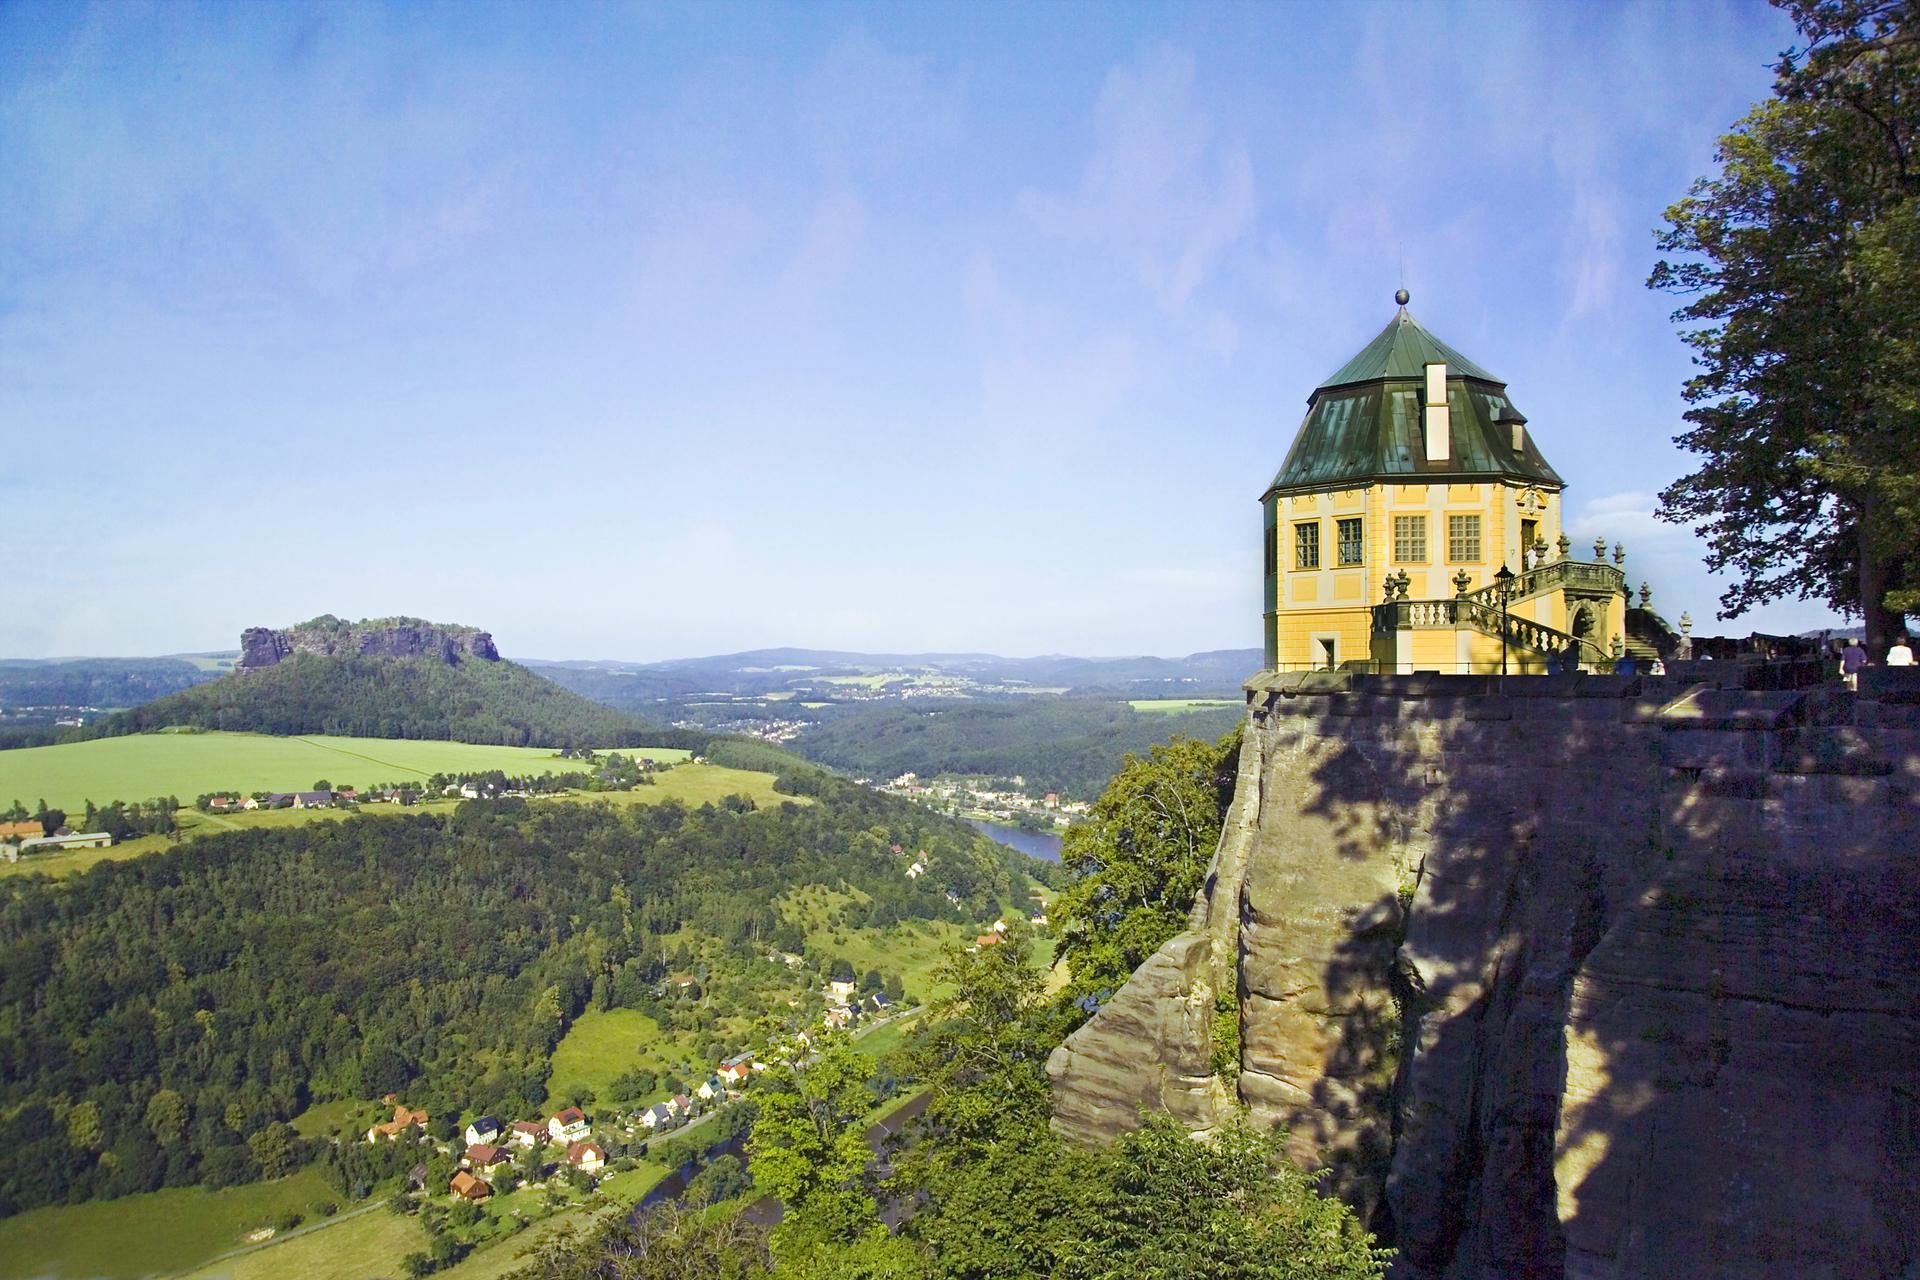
x: 1901, y: 654
x: 1852, y: 658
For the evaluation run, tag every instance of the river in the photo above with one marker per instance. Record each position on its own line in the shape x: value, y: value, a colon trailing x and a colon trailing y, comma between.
x: 1044, y: 845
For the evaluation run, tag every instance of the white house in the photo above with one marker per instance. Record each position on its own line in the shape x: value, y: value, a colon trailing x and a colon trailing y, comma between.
x: 528, y: 1133
x: 484, y: 1130
x: 586, y: 1157
x: 656, y: 1115
x: 840, y: 990
x: 569, y: 1126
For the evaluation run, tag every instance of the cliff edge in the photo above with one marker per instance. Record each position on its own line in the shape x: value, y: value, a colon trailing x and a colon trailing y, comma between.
x: 371, y: 638
x: 1602, y: 978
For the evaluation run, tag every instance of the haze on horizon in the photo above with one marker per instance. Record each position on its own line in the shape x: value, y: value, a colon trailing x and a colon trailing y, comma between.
x: 660, y: 331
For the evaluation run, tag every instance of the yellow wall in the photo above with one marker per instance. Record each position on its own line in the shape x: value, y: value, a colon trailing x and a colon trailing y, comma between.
x: 1338, y: 599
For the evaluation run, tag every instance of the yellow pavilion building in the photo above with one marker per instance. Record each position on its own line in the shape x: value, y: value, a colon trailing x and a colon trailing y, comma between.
x: 1416, y: 526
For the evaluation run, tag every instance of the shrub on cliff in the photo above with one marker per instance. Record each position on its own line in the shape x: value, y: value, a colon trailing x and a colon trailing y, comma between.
x: 1136, y: 863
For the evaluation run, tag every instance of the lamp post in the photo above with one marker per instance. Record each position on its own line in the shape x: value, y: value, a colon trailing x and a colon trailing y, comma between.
x: 1503, y: 587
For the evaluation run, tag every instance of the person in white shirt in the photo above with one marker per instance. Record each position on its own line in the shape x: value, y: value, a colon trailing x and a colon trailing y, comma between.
x: 1901, y: 654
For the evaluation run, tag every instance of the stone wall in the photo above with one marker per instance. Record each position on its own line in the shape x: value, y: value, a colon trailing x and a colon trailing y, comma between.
x: 1596, y: 977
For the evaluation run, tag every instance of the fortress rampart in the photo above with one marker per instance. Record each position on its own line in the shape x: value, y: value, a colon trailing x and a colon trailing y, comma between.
x: 1585, y: 977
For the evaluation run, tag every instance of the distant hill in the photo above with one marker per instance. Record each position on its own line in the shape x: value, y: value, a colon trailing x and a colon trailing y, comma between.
x: 95, y: 682
x: 390, y: 678
x: 1217, y: 673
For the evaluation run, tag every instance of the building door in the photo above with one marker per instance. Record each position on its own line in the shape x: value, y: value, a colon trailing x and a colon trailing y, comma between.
x: 1325, y: 653
x: 1529, y: 530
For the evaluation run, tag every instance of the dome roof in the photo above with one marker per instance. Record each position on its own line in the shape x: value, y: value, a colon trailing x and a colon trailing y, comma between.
x: 1364, y: 423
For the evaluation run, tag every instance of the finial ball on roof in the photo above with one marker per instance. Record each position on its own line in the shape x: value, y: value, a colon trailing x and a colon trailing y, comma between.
x: 1402, y: 297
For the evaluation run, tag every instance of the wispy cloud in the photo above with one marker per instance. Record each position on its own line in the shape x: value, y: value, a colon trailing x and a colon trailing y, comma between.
x: 1160, y: 192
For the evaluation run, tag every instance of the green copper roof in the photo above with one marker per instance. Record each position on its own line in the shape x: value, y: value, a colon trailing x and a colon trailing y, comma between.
x: 1402, y: 350
x: 1365, y: 424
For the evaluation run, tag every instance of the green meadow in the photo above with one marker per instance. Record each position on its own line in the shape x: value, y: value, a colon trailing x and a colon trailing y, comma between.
x: 690, y: 784
x: 1166, y: 706
x: 159, y: 1233
x: 144, y: 765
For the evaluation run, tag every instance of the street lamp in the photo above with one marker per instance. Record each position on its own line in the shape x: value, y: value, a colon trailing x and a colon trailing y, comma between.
x: 1503, y: 587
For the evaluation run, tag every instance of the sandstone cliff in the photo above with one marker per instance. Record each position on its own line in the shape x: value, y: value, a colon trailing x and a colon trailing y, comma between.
x: 1603, y: 978
x: 371, y: 638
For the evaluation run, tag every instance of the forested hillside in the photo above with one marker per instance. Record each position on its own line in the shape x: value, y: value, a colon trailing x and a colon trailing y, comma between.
x: 95, y: 682
x: 488, y: 702
x: 1068, y: 745
x: 158, y: 1016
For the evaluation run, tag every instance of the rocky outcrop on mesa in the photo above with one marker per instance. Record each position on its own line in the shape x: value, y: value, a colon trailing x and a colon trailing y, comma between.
x: 1604, y: 978
x: 370, y: 638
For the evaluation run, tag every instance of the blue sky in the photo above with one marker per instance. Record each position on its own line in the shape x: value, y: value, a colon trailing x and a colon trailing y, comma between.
x: 647, y: 331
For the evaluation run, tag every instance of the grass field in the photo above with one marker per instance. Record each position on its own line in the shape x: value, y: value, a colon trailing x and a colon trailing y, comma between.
x: 144, y: 765
x: 1169, y: 705
x: 910, y: 950
x: 366, y: 1246
x: 691, y: 784
x: 696, y: 784
x: 159, y: 1233
x: 602, y: 1044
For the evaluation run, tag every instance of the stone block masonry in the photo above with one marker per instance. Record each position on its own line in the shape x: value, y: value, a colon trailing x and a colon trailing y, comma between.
x: 1592, y: 977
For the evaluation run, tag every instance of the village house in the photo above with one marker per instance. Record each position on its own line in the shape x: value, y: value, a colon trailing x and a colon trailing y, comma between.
x: 987, y: 940
x: 736, y: 1069
x: 657, y: 1115
x: 586, y: 1157
x: 468, y: 1187
x: 682, y: 1105
x: 840, y: 990
x: 485, y: 1158
x: 880, y: 1002
x: 528, y: 1133
x: 404, y: 1119
x: 568, y: 1125
x: 710, y: 1088
x: 838, y: 1018
x: 485, y: 1129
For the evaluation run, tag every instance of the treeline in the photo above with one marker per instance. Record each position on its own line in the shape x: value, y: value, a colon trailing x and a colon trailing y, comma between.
x: 162, y: 1018
x: 1067, y: 745
x: 495, y: 703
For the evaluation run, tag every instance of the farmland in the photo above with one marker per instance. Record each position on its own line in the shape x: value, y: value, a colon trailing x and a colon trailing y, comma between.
x: 139, y: 766
x: 689, y: 784
x: 1171, y: 706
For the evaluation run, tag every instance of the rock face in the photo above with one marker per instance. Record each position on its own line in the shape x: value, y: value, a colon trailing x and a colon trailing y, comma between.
x: 1600, y: 979
x: 374, y: 638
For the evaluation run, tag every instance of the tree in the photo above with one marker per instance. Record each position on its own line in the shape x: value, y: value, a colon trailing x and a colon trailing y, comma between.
x: 1161, y: 1206
x: 1136, y: 863
x: 808, y: 1148
x: 323, y: 785
x: 1801, y: 258
x: 166, y: 1116
x: 273, y: 1149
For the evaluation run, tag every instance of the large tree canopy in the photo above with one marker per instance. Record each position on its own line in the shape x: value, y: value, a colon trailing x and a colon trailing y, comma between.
x: 1799, y: 262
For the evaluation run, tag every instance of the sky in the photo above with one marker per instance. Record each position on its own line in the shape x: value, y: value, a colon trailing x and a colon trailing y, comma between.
x: 645, y: 331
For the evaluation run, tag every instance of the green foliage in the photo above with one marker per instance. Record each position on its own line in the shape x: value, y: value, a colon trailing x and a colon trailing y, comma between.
x: 809, y: 1149
x: 1066, y: 745
x: 435, y: 956
x: 1158, y: 1205
x: 1800, y: 258
x: 1224, y: 1055
x: 1135, y: 864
